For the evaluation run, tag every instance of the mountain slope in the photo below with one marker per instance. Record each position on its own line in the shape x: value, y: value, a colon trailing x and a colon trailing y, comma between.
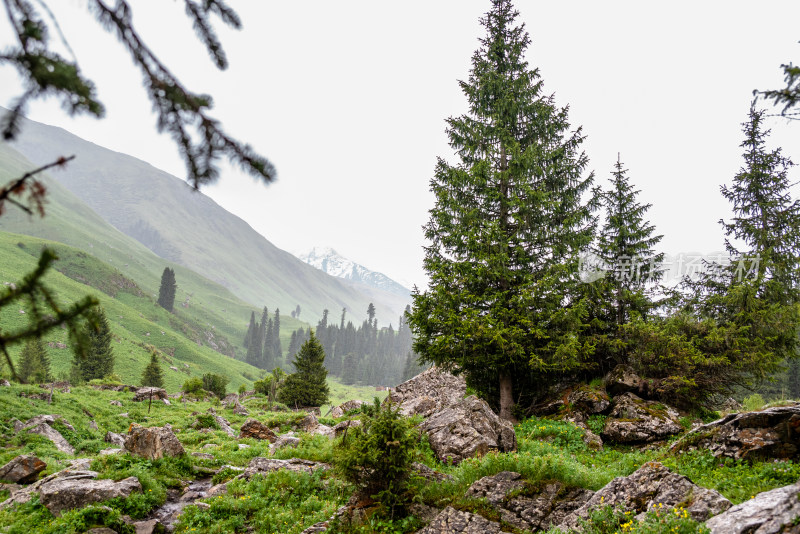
x: 329, y: 261
x: 186, y: 227
x: 72, y: 222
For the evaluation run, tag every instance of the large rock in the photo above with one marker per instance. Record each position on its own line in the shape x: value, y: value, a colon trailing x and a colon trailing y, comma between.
x: 341, y: 428
x: 589, y: 401
x: 153, y: 443
x: 633, y: 420
x: 623, y: 379
x: 23, y: 494
x: 768, y: 434
x: 253, y: 428
x: 311, y: 425
x: 452, y: 521
x: 767, y: 513
x: 652, y: 484
x: 466, y: 429
x: 22, y: 469
x: 542, y: 507
x: 268, y: 465
x: 349, y: 406
x: 67, y: 493
x: 427, y: 392
x: 224, y: 425
x: 47, y: 431
x: 146, y: 393
x: 114, y: 438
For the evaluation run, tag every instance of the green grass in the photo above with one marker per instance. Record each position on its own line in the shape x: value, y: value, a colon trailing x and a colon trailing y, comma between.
x: 286, y: 502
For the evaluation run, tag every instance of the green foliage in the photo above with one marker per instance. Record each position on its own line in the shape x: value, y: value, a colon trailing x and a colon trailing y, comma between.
x: 506, y: 229
x: 215, y: 384
x: 205, y: 420
x: 277, y: 502
x: 193, y: 386
x: 307, y: 385
x: 153, y: 375
x: 753, y: 402
x: 377, y: 457
x: 607, y: 520
x: 596, y: 423
x: 167, y: 290
x: 34, y: 363
x: 99, y: 359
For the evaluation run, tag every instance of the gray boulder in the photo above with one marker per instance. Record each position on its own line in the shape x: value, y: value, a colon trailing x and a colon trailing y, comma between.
x: 22, y: 469
x: 339, y: 411
x: 768, y: 434
x: 589, y: 401
x: 114, y: 438
x: 47, y: 431
x: 652, y: 484
x: 633, y: 420
x: 539, y: 510
x: 341, y: 428
x: 285, y: 440
x: 268, y: 465
x: 427, y: 392
x: 311, y: 425
x: 153, y: 443
x: 767, y: 513
x: 623, y: 379
x: 146, y: 393
x: 467, y: 429
x: 23, y: 494
x: 68, y: 493
x: 452, y: 521
x: 253, y: 428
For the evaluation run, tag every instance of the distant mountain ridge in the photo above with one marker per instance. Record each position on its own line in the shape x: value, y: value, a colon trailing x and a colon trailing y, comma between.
x: 179, y: 224
x: 329, y: 261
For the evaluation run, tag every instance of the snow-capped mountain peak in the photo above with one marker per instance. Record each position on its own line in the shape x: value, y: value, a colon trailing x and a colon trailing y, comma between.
x: 328, y: 260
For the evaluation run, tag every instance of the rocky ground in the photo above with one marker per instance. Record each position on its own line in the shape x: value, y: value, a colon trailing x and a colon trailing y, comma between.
x: 125, y: 459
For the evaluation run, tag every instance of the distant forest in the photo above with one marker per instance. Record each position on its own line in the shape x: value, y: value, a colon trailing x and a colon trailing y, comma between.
x: 369, y: 355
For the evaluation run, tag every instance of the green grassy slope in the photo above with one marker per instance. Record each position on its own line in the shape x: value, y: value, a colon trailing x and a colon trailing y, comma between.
x: 136, y: 322
x: 72, y: 222
x: 190, y: 229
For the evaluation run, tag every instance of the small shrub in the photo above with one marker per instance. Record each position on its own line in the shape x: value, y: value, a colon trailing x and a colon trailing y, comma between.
x: 596, y: 423
x: 206, y: 420
x: 193, y: 386
x: 753, y: 402
x: 377, y: 457
x: 215, y: 384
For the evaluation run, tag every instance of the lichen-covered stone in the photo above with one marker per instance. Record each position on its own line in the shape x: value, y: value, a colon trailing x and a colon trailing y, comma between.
x: 769, y: 512
x: 771, y: 433
x: 467, y: 429
x: 153, y: 443
x: 452, y: 521
x: 23, y: 469
x: 652, y: 485
x: 634, y: 420
x: 427, y: 392
x: 252, y: 428
x: 67, y: 493
x: 589, y: 401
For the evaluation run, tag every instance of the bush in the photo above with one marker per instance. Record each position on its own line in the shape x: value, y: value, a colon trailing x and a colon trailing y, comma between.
x: 377, y: 457
x: 193, y: 386
x: 215, y: 384
x: 753, y: 402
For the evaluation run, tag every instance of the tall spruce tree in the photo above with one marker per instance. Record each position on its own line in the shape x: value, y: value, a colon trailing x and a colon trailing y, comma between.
x: 167, y: 290
x: 153, y: 375
x: 248, y: 336
x: 307, y: 385
x: 505, y: 230
x: 99, y: 359
x: 34, y: 363
x: 277, y: 349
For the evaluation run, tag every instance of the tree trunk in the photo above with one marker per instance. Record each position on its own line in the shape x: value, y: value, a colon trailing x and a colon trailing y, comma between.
x: 506, y: 397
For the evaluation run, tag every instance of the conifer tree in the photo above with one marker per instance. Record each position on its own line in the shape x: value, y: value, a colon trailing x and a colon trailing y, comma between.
x: 277, y: 349
x: 153, y: 376
x: 250, y: 330
x: 307, y: 385
x: 270, y: 361
x: 506, y: 229
x: 626, y: 245
x: 99, y: 359
x: 167, y: 290
x: 34, y: 363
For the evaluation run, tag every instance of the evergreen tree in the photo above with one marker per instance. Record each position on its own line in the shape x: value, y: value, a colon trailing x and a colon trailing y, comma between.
x: 34, y: 363
x: 307, y: 385
x: 152, y: 375
x: 370, y: 312
x: 166, y: 293
x: 505, y: 230
x: 277, y: 349
x: 250, y: 329
x: 349, y: 369
x: 270, y: 358
x: 99, y: 359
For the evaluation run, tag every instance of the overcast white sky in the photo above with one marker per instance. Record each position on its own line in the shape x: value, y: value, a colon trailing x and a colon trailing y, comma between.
x: 348, y: 100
